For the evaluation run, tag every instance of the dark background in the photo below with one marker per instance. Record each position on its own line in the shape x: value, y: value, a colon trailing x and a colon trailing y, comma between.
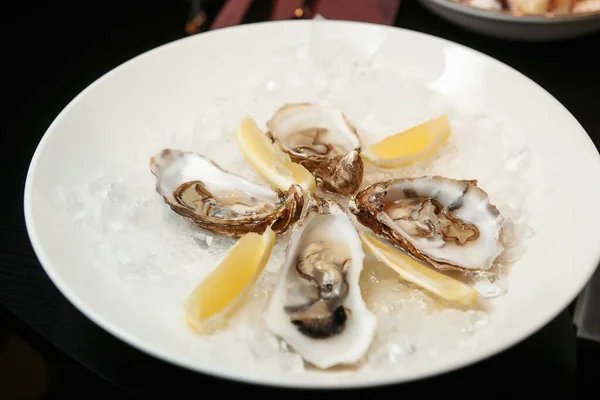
x: 53, y: 50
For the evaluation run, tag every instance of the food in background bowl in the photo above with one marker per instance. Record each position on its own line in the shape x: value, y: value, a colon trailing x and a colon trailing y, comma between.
x: 554, y: 7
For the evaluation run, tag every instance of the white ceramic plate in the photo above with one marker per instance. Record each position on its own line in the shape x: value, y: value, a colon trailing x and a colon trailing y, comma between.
x: 121, y: 257
x: 505, y: 25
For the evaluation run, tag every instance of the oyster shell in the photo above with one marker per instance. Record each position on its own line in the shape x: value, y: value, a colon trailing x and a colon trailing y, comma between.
x: 220, y: 201
x: 317, y: 306
x: 446, y: 222
x: 323, y: 141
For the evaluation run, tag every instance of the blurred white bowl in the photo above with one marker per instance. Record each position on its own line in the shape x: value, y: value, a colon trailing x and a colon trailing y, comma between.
x: 506, y: 25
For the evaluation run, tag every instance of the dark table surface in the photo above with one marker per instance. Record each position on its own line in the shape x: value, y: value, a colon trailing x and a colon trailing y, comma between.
x: 55, y: 50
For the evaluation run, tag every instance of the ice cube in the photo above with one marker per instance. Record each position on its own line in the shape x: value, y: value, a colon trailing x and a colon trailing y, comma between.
x: 76, y: 211
x: 71, y: 202
x: 488, y: 284
x: 508, y: 236
x: 391, y: 353
x: 512, y: 254
x: 523, y: 231
x: 221, y: 244
x: 113, y: 217
x: 99, y: 187
x: 200, y: 239
x: 519, y: 161
x: 118, y: 192
x: 488, y: 289
x: 349, y: 54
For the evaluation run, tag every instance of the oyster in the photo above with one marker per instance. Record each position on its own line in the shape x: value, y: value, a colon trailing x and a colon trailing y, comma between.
x: 317, y: 306
x: 446, y: 222
x: 220, y: 201
x: 323, y: 141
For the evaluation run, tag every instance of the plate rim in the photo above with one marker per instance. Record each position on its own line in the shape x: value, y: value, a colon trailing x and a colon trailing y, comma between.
x: 262, y: 380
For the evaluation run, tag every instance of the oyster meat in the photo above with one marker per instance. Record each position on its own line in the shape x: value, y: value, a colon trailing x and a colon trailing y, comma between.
x: 322, y: 140
x: 316, y: 306
x: 446, y: 222
x: 221, y: 201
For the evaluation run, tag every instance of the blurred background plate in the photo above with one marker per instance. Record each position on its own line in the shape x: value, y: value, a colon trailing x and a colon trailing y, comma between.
x: 505, y: 25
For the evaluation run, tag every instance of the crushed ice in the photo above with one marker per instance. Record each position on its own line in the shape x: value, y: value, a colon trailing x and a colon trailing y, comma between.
x: 133, y: 232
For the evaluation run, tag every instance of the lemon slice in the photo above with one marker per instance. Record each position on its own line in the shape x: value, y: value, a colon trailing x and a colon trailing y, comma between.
x: 418, y: 273
x: 218, y: 295
x: 409, y: 146
x: 272, y: 164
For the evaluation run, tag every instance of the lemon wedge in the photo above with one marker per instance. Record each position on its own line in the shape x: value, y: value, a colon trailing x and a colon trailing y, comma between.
x: 409, y: 146
x: 272, y: 164
x: 418, y: 273
x: 219, y: 294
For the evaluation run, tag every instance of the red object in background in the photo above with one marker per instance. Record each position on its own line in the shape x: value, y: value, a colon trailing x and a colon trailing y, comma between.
x: 374, y: 11
x: 284, y: 9
x: 232, y: 13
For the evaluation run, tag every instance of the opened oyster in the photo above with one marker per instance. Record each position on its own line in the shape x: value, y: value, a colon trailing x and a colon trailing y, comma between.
x: 317, y: 306
x: 446, y: 222
x: 323, y: 141
x: 220, y: 201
